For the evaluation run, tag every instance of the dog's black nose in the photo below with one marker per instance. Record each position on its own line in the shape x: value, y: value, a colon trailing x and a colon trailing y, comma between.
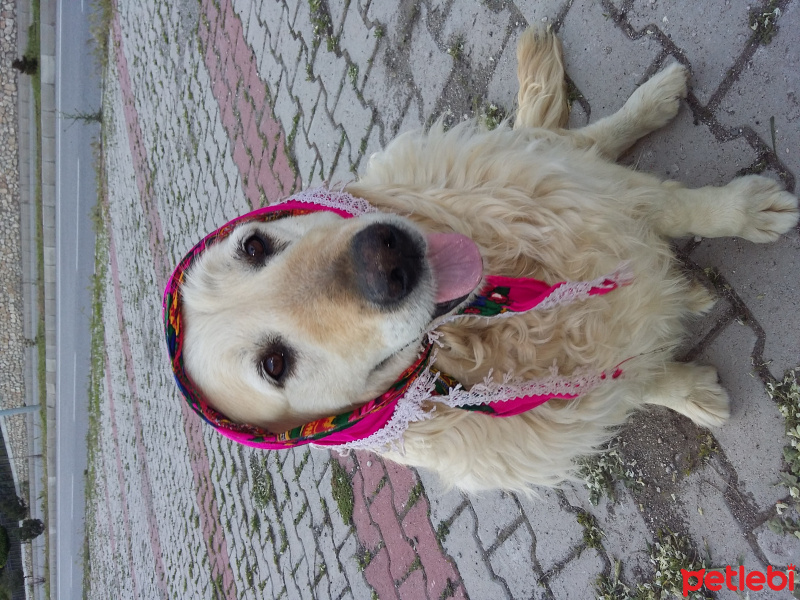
x: 387, y: 263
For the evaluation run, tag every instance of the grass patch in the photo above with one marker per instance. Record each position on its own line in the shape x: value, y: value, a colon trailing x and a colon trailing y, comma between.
x: 263, y: 488
x: 601, y: 473
x: 299, y: 468
x: 763, y: 22
x: 414, y: 495
x: 706, y: 450
x: 442, y: 531
x: 456, y: 47
x: 612, y: 587
x: 342, y: 490
x: 352, y: 74
x: 100, y: 29
x: 786, y: 394
x: 592, y: 534
x: 490, y: 115
x: 363, y: 558
x: 669, y: 555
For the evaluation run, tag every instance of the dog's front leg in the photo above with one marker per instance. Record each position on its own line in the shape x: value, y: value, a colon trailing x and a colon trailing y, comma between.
x: 650, y: 107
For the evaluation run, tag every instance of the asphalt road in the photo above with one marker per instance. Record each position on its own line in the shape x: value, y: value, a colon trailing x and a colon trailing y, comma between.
x: 77, y: 93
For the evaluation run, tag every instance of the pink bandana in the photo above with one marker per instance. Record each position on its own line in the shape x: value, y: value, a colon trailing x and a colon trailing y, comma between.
x: 381, y: 422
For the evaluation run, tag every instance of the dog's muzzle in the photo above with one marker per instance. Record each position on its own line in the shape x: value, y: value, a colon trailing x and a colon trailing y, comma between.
x: 387, y: 263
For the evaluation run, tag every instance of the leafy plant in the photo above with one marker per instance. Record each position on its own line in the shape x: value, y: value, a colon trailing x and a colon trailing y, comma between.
x: 601, y: 472
x: 786, y: 394
x: 763, y: 22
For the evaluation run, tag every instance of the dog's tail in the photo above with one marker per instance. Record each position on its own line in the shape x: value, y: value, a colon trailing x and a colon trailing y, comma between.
x: 542, y: 97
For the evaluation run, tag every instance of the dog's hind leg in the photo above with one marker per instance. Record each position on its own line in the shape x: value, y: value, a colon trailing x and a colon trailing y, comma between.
x: 753, y: 207
x: 693, y: 391
x: 650, y: 107
x: 542, y: 97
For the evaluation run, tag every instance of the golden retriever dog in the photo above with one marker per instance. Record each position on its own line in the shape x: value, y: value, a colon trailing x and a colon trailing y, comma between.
x: 309, y: 316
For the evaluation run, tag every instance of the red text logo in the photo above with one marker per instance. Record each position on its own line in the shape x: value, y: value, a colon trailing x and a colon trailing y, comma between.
x: 756, y: 581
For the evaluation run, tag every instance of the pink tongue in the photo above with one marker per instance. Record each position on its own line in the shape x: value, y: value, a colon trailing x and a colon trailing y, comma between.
x: 456, y: 263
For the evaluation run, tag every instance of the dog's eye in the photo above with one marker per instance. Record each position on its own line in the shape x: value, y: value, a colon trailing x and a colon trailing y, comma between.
x: 255, y: 249
x: 273, y: 364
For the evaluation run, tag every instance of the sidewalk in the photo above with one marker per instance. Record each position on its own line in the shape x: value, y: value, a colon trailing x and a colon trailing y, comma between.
x: 216, y: 107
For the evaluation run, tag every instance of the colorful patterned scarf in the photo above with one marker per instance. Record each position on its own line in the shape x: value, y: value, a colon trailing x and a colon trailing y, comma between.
x: 381, y: 422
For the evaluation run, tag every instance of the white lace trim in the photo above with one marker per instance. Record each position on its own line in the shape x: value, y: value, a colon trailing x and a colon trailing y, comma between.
x: 511, y: 388
x: 409, y: 408
x: 335, y: 199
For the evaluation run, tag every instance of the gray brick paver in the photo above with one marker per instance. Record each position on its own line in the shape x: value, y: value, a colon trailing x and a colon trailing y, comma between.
x: 753, y: 439
x: 688, y: 29
x: 462, y: 544
x: 605, y: 66
x: 513, y: 561
x: 556, y: 530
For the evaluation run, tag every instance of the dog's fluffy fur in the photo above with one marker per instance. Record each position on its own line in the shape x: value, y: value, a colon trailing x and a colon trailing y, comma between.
x: 539, y: 201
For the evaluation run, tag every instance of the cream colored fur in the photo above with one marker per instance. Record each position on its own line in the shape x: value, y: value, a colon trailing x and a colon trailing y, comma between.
x: 539, y: 201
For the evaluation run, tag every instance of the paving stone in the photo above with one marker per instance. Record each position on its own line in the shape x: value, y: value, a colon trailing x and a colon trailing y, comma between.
x: 430, y: 63
x: 388, y: 92
x: 378, y: 574
x: 578, y: 576
x: 689, y: 153
x: 470, y: 558
x: 482, y: 30
x: 495, y: 511
x: 368, y: 534
x: 353, y: 117
x: 753, y: 438
x: 359, y: 587
x: 606, y: 66
x: 340, y: 529
x: 768, y: 283
x: 628, y: 544
x: 443, y: 504
x: 402, y: 482
x: 711, y: 523
x: 503, y: 85
x: 360, y: 43
x: 331, y: 70
x: 710, y: 61
x: 326, y: 137
x: 513, y: 561
x: 762, y: 91
x: 540, y: 13
x: 320, y: 458
x: 371, y: 469
x: 439, y: 571
x: 400, y: 554
x: 557, y: 531
x: 778, y: 549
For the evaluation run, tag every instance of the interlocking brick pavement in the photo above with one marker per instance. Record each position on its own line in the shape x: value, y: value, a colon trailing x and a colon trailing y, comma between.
x: 213, y: 107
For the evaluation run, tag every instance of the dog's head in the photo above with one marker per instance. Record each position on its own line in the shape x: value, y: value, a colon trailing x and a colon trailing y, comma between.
x: 291, y: 319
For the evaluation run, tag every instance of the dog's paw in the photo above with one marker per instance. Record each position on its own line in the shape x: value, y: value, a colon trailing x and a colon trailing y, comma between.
x: 768, y: 210
x: 707, y: 404
x: 658, y: 99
